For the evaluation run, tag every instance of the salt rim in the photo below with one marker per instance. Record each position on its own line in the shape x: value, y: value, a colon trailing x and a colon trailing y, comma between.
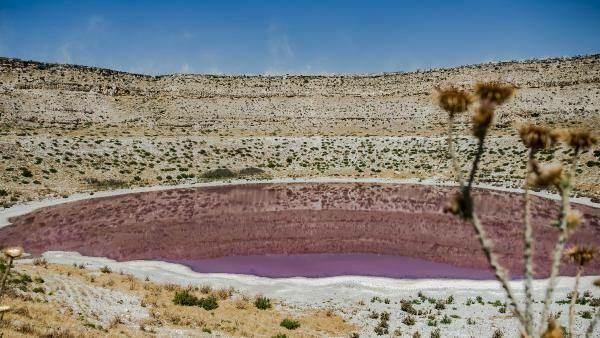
x: 298, y: 289
x: 25, y: 208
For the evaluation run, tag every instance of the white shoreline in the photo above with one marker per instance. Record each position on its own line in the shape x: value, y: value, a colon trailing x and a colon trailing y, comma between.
x: 301, y: 290
x: 25, y: 208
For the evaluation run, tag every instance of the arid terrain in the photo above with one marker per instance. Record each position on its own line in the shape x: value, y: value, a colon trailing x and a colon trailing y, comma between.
x: 67, y: 129
x: 105, y: 266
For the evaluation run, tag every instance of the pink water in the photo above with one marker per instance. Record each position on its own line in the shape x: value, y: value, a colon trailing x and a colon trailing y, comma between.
x: 328, y: 265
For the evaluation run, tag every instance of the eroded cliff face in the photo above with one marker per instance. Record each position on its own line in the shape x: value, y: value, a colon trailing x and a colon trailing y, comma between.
x: 74, y: 96
x: 67, y: 128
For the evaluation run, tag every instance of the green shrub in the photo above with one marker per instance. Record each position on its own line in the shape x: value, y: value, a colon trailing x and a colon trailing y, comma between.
x: 290, y: 324
x: 262, y: 303
x: 279, y: 335
x: 185, y: 298
x: 220, y: 173
x: 208, y: 303
x: 251, y: 171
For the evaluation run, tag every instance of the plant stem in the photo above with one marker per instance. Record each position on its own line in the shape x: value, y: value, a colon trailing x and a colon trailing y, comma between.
x: 5, y: 276
x: 451, y: 153
x: 560, y: 243
x: 472, y: 217
x: 499, y: 272
x: 574, y: 296
x: 528, y: 250
x: 593, y: 324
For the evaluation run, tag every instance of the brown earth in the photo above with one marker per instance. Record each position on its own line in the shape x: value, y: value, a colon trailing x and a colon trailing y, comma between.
x: 254, y: 219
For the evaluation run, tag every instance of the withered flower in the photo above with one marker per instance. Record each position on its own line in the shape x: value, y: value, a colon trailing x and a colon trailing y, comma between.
x: 546, y: 175
x: 456, y: 205
x: 537, y: 137
x: 553, y: 330
x: 13, y: 252
x: 494, y: 91
x: 482, y: 119
x: 453, y: 100
x: 581, y: 255
x: 574, y: 218
x: 579, y: 138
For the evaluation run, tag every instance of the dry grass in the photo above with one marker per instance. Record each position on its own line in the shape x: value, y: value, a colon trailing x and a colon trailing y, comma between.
x: 235, y: 316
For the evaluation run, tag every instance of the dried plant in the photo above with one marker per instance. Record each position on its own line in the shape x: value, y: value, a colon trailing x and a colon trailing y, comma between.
x: 11, y: 253
x: 580, y: 255
x: 490, y: 95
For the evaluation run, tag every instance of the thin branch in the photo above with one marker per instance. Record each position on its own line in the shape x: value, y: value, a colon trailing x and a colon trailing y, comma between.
x: 471, y: 217
x: 560, y: 243
x: 528, y: 249
x: 499, y: 271
x: 593, y: 324
x: 574, y: 296
x: 451, y: 153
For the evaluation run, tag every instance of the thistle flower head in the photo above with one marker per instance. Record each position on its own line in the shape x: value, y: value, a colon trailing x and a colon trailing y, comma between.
x: 453, y: 100
x: 13, y: 251
x: 579, y: 138
x: 456, y: 205
x: 537, y: 137
x: 553, y: 330
x: 574, y: 218
x: 546, y: 175
x: 581, y: 255
x: 482, y: 119
x: 494, y: 91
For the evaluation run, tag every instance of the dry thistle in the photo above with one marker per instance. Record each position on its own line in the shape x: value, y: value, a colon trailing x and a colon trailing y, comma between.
x: 13, y: 252
x: 537, y: 137
x: 574, y: 218
x: 553, y: 330
x: 546, y: 175
x: 494, y: 91
x: 453, y: 100
x: 482, y: 119
x: 455, y: 205
x: 581, y: 255
x: 579, y: 138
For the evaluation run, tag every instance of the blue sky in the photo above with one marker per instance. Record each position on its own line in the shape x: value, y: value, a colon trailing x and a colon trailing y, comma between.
x: 274, y: 37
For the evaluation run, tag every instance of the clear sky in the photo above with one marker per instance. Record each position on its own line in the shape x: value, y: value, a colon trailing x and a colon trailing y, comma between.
x: 287, y: 36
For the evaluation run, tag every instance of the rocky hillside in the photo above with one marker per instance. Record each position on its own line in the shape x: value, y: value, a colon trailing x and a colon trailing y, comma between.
x: 67, y: 128
x: 68, y: 96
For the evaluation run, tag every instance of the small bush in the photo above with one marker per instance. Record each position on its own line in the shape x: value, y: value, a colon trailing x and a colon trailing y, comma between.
x: 446, y: 320
x: 208, y: 303
x: 279, y: 335
x: 105, y: 269
x: 185, y: 298
x: 436, y: 333
x: 407, y: 307
x: 290, y: 324
x: 262, y: 303
x: 498, y: 334
x: 251, y: 171
x: 217, y: 174
x: 409, y: 320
